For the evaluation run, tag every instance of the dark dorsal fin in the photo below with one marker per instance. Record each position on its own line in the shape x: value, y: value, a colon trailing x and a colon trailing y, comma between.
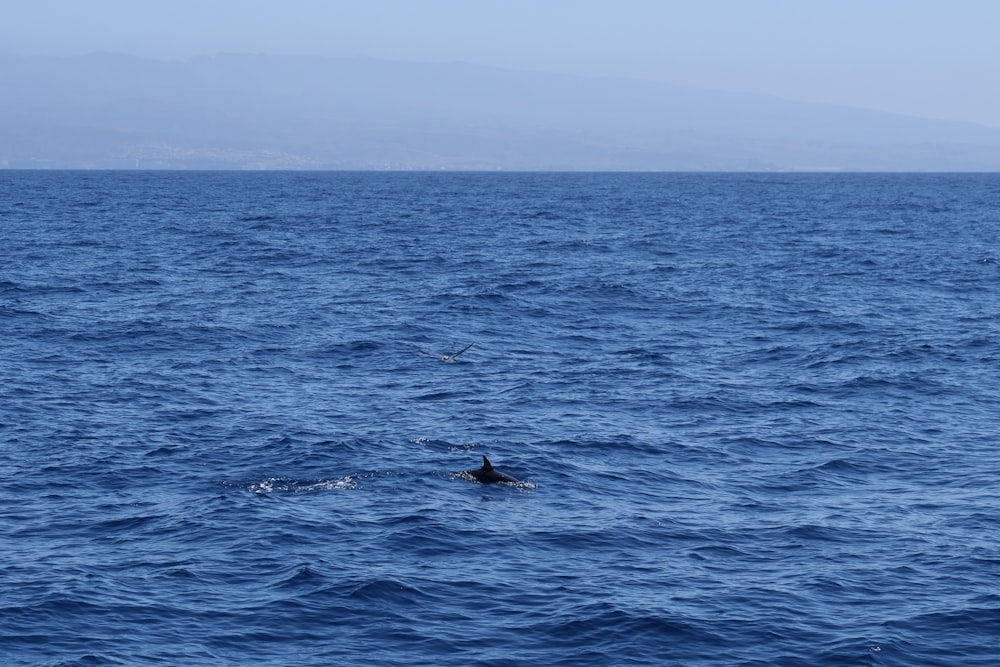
x: 486, y: 464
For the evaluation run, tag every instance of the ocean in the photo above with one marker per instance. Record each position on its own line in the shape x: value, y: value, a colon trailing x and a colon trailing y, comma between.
x: 755, y: 419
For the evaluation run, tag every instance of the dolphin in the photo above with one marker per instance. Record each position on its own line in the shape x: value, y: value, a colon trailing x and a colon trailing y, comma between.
x: 487, y: 475
x: 448, y: 358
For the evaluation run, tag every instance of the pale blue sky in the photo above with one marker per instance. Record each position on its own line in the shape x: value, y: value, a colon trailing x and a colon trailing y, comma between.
x: 931, y: 58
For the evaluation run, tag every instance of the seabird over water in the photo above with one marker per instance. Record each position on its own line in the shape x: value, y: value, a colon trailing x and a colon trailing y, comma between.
x: 448, y: 358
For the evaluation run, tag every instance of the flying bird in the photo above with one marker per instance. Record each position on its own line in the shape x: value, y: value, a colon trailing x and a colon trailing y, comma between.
x: 448, y: 358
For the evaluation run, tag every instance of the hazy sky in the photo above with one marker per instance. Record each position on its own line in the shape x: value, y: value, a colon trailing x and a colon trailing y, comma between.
x: 931, y: 58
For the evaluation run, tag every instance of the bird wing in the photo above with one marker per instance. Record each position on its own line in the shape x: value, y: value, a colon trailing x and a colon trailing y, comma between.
x: 452, y: 356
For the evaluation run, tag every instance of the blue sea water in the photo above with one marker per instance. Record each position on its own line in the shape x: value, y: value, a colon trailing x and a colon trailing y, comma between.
x: 755, y: 417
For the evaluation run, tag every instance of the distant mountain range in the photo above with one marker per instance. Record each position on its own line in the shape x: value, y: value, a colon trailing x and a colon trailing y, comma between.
x: 296, y: 112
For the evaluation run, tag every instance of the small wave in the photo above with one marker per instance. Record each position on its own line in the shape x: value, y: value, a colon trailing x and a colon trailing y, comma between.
x: 868, y: 381
x: 287, y: 485
x: 838, y: 466
x: 257, y: 218
x: 358, y: 346
x: 437, y: 396
x: 545, y: 215
x: 301, y: 576
x: 24, y: 314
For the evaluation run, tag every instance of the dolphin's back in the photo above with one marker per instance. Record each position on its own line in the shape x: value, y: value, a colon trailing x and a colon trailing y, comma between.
x: 488, y: 475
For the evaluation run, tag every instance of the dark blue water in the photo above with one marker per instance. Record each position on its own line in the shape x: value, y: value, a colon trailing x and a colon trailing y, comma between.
x: 755, y: 418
